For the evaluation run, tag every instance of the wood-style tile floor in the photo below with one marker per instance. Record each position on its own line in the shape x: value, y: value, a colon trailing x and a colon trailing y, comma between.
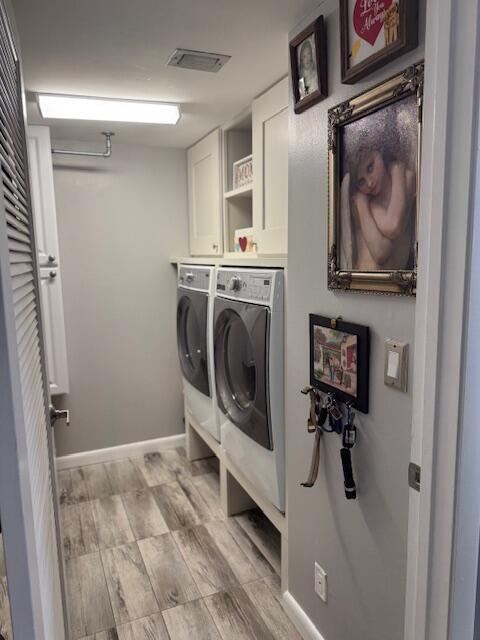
x: 149, y: 555
x: 5, y: 623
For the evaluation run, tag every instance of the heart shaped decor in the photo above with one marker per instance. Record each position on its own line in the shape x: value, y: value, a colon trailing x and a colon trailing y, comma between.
x: 243, y: 243
x: 368, y: 18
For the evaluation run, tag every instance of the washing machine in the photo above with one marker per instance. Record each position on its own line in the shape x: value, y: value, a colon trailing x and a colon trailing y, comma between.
x: 195, y: 295
x: 249, y: 375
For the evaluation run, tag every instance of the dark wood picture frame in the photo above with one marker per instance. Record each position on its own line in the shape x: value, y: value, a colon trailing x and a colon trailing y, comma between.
x: 317, y: 28
x: 362, y: 333
x: 406, y: 41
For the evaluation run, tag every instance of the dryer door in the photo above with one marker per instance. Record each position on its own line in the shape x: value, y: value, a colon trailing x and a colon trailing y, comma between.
x: 192, y: 309
x: 241, y: 366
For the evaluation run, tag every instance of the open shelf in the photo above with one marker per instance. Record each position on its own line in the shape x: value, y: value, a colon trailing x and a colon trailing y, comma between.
x: 242, y: 192
x: 238, y: 255
x: 233, y: 259
x: 237, y: 203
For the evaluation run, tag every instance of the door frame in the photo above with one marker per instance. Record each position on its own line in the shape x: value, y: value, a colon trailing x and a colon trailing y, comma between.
x: 449, y: 155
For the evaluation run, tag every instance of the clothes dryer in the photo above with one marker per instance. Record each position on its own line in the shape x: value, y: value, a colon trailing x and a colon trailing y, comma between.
x: 249, y: 375
x: 195, y: 293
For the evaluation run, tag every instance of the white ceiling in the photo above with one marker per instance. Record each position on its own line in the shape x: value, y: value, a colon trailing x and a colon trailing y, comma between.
x: 119, y: 48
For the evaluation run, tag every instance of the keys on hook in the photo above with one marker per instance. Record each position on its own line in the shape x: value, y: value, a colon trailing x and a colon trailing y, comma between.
x: 322, y: 414
x: 349, y: 437
x: 322, y: 418
x: 329, y: 408
x: 333, y: 409
x: 320, y: 411
x: 335, y: 415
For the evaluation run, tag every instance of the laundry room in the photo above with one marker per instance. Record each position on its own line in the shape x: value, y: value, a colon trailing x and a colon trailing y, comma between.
x: 217, y: 300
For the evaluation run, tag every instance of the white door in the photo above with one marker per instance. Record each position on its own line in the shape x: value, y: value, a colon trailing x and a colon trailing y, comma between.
x: 270, y: 169
x: 204, y: 197
x: 27, y: 484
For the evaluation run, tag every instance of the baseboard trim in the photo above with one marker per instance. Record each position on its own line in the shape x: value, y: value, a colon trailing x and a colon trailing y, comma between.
x: 131, y: 450
x: 297, y: 615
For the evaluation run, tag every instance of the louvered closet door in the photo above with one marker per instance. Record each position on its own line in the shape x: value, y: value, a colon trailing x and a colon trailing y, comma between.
x: 27, y: 491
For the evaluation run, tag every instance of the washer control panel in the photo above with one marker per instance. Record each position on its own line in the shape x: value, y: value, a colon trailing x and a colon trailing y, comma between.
x: 193, y: 277
x: 258, y: 286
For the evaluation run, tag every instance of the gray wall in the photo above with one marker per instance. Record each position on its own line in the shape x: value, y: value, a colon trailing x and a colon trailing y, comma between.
x: 361, y: 544
x: 119, y: 220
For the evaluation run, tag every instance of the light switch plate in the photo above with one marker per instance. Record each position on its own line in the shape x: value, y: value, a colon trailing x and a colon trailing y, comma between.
x: 396, y: 364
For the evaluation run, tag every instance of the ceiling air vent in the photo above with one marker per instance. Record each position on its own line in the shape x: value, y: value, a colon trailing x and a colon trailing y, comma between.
x: 197, y: 60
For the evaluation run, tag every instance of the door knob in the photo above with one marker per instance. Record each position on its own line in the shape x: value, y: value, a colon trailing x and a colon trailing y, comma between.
x: 59, y: 414
x: 52, y: 259
x: 53, y: 274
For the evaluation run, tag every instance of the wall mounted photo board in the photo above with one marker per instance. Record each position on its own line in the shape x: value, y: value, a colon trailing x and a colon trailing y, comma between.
x: 308, y: 62
x: 374, y: 143
x: 339, y: 359
x: 375, y: 32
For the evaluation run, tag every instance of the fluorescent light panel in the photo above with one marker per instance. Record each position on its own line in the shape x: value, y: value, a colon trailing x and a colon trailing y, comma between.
x: 107, y: 110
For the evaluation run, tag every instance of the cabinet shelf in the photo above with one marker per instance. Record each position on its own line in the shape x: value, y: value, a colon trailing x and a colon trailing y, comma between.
x: 235, y: 259
x: 242, y: 192
x: 237, y: 255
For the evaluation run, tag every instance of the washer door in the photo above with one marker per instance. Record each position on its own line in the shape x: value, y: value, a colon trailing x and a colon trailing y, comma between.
x: 241, y: 366
x: 192, y: 309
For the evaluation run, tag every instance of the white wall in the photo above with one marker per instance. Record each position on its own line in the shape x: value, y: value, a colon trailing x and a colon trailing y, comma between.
x: 119, y: 220
x: 361, y: 544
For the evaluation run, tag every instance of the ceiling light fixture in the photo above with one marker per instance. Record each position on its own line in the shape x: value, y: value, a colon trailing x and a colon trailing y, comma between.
x: 107, y: 110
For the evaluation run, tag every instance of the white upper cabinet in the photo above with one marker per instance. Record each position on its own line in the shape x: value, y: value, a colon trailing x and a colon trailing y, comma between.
x: 204, y: 196
x: 45, y: 219
x: 270, y: 169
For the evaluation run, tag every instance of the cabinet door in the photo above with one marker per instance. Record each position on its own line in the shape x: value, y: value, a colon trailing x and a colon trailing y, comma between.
x: 43, y: 195
x: 45, y: 221
x: 204, y: 196
x: 270, y: 169
x: 54, y: 329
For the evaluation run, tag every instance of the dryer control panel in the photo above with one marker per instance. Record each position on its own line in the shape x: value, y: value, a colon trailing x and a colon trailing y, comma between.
x: 258, y: 286
x: 194, y: 277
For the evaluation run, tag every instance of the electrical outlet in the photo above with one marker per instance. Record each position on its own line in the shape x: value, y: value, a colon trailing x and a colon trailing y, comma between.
x: 320, y: 582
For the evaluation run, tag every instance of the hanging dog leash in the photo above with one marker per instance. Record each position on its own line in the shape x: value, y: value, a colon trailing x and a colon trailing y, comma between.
x: 316, y: 419
x: 349, y: 439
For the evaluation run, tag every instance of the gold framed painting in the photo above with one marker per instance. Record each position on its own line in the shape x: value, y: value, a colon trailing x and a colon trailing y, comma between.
x: 374, y: 143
